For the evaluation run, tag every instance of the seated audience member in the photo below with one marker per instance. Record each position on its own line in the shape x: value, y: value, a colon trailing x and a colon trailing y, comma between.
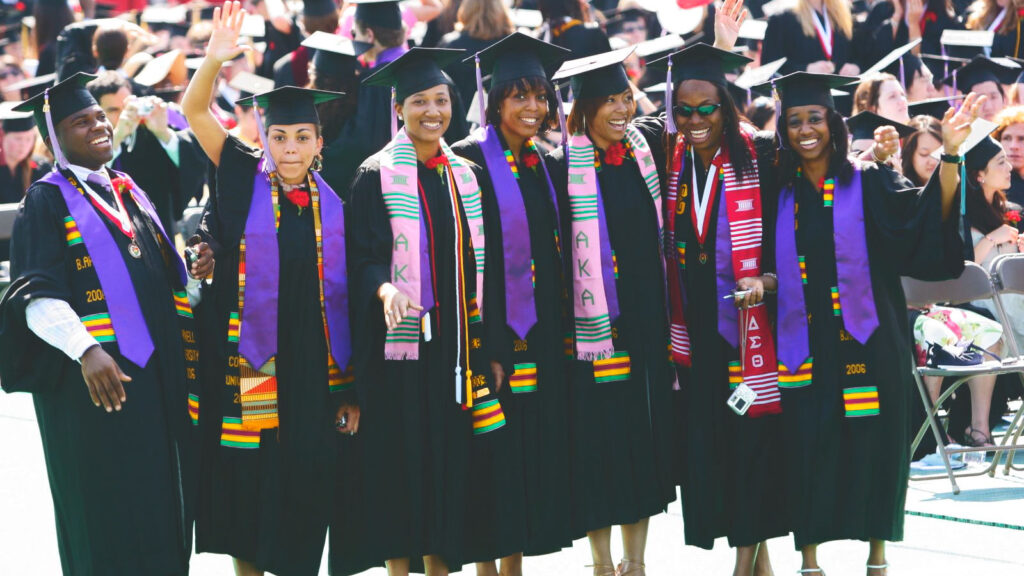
x: 1010, y: 135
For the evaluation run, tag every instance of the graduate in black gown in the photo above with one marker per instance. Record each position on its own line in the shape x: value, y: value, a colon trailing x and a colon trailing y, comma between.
x: 22, y: 166
x: 334, y: 67
x: 718, y: 197
x: 281, y: 337
x: 565, y: 26
x: 97, y: 282
x: 814, y: 35
x: 534, y: 508
x: 620, y: 378
x: 843, y: 340
x: 423, y: 239
x: 292, y: 69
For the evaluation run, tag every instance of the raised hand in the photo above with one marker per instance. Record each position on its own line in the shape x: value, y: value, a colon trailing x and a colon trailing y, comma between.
x: 728, y: 20
x: 956, y: 124
x: 227, y: 24
x: 887, y: 143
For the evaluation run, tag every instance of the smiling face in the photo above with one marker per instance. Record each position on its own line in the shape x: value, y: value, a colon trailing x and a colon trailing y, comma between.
x: 523, y: 112
x: 702, y: 132
x: 892, y: 102
x: 293, y: 148
x: 807, y: 131
x: 608, y: 124
x: 85, y: 137
x: 18, y: 145
x: 426, y: 114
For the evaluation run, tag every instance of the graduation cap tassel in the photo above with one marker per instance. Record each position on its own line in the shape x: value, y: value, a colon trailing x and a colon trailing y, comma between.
x: 903, y: 74
x: 561, y: 116
x: 670, y: 120
x: 778, y: 115
x: 394, y: 115
x: 268, y: 164
x: 480, y: 92
x: 58, y: 154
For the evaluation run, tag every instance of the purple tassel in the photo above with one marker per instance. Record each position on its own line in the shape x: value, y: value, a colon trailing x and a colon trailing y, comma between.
x: 903, y: 74
x: 670, y: 115
x: 561, y: 116
x: 58, y: 154
x: 778, y: 116
x: 268, y: 165
x: 394, y: 116
x: 480, y: 92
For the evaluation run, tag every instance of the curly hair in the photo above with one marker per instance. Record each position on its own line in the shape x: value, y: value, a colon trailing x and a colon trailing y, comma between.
x: 1006, y: 118
x: 498, y: 93
x: 839, y: 164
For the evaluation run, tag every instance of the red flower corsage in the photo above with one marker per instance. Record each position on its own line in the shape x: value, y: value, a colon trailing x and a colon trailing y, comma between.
x: 298, y: 197
x: 614, y: 155
x: 1013, y: 216
x: 121, y: 185
x: 438, y: 163
x: 531, y: 159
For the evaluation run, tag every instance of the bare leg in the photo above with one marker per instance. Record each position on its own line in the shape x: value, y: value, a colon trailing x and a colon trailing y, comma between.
x: 934, y: 386
x: 435, y: 566
x: 601, y: 551
x: 486, y: 569
x: 745, y: 556
x: 876, y: 557
x: 634, y: 543
x: 810, y: 559
x: 512, y: 565
x: 243, y: 568
x: 981, y: 401
x: 398, y: 567
x: 762, y: 561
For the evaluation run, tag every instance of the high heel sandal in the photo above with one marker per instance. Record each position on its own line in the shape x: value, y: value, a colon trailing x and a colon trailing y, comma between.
x: 877, y: 566
x: 972, y: 440
x: 811, y: 571
x: 623, y: 569
x: 609, y: 569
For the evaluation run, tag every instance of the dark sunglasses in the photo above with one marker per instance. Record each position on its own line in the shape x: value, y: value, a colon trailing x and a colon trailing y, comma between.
x: 687, y: 111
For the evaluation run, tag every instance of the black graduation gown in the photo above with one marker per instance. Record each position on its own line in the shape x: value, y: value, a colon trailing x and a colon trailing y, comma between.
x: 123, y: 483
x: 463, y: 75
x: 278, y: 45
x: 343, y: 155
x: 731, y: 482
x: 785, y: 38
x: 848, y: 476
x: 416, y: 437
x: 1015, y: 193
x: 538, y: 420
x: 12, y: 191
x: 582, y: 40
x: 876, y: 38
x: 621, y: 434
x: 1008, y: 45
x: 168, y: 185
x: 271, y: 505
x: 292, y: 69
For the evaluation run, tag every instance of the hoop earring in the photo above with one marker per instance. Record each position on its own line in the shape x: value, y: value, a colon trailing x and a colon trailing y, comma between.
x: 318, y: 163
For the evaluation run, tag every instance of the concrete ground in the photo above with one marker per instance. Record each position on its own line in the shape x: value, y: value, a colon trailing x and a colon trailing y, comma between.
x: 944, y: 533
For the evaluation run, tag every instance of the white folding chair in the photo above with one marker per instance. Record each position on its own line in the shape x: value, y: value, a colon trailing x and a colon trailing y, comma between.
x: 975, y: 283
x: 1007, y: 273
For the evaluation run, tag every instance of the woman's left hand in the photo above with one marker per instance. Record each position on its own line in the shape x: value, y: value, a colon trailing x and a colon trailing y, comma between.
x: 350, y: 414
x: 956, y: 124
x: 887, y: 143
x: 755, y: 287
x: 728, y: 20
x: 499, y: 375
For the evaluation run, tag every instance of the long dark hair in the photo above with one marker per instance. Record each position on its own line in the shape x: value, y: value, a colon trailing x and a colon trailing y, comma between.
x: 498, y: 93
x: 924, y: 125
x: 839, y: 164
x: 732, y: 139
x: 983, y: 215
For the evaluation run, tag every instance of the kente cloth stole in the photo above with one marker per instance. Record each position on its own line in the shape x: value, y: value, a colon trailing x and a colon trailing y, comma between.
x: 595, y: 299
x: 410, y: 259
x: 252, y: 328
x: 107, y: 303
x: 738, y: 244
x: 850, y: 288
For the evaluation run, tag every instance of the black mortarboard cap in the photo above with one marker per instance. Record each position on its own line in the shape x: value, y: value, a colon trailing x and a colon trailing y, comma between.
x: 806, y: 89
x: 379, y: 13
x: 982, y: 69
x: 65, y: 99
x: 700, y: 62
x: 314, y: 8
x: 979, y: 155
x: 416, y: 70
x: 13, y: 121
x: 30, y: 87
x: 598, y: 75
x: 335, y: 55
x: 292, y: 105
x: 934, y: 107
x: 519, y: 56
x: 863, y: 125
x: 891, y: 61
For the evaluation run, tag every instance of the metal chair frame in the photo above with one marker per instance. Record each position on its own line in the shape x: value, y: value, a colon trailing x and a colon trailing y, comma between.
x: 975, y: 283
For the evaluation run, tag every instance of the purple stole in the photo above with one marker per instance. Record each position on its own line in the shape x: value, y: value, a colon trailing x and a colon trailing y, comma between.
x: 133, y: 338
x: 860, y: 317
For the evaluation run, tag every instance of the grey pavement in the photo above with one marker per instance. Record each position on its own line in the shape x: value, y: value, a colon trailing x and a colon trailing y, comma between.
x: 952, y: 546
